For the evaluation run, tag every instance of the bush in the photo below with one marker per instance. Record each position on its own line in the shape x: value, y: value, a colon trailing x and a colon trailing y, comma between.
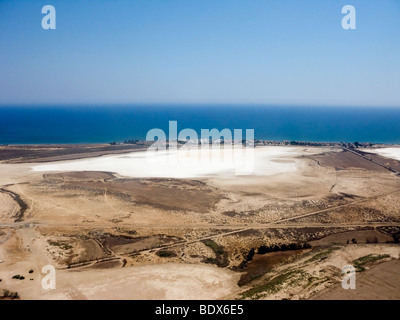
x: 221, y: 259
x: 165, y: 254
x: 263, y: 250
x: 9, y: 294
x: 307, y: 246
x: 251, y: 254
x: 214, y: 246
x: 360, y: 262
x: 61, y: 244
x: 284, y: 247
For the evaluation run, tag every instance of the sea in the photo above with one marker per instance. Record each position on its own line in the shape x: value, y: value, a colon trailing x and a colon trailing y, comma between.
x: 105, y: 124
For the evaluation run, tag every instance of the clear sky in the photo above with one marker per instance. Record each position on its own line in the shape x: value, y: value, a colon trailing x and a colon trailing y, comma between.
x: 200, y: 51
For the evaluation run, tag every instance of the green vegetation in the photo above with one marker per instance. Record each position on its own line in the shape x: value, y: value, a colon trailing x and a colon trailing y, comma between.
x: 221, y: 259
x: 311, y: 281
x: 165, y: 254
x: 291, y: 278
x: 359, y: 263
x: 18, y: 277
x: 9, y: 294
x: 214, y: 246
x: 60, y: 244
x: 323, y: 254
x: 284, y: 247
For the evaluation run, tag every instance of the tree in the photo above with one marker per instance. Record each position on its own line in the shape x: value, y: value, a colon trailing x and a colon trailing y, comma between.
x: 251, y: 254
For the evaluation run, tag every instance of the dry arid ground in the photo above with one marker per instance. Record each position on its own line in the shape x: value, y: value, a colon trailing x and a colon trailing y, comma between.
x: 283, y: 236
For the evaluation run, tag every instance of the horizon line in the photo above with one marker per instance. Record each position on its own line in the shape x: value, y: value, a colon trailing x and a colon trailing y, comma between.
x: 195, y: 104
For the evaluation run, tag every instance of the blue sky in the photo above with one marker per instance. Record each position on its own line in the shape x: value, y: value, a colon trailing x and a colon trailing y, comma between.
x: 200, y: 51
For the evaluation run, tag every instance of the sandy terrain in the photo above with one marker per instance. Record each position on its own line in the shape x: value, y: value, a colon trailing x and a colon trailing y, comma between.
x: 379, y: 283
x: 153, y: 282
x: 8, y: 208
x: 166, y: 281
x: 90, y: 217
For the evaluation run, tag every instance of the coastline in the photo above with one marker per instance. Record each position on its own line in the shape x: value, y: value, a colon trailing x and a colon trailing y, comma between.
x: 34, y: 153
x: 14, y: 154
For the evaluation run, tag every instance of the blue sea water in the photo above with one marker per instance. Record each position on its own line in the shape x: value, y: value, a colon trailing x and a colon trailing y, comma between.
x: 103, y: 124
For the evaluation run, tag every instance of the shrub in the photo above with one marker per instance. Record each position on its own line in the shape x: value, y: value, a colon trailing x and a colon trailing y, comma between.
x: 9, y: 294
x: 61, y: 244
x: 293, y: 246
x: 221, y: 259
x: 263, y: 250
x: 214, y: 246
x: 360, y: 262
x: 251, y: 254
x: 307, y: 246
x: 165, y: 254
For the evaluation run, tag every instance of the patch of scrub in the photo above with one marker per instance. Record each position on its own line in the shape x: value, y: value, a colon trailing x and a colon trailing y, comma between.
x: 291, y: 278
x: 360, y: 263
